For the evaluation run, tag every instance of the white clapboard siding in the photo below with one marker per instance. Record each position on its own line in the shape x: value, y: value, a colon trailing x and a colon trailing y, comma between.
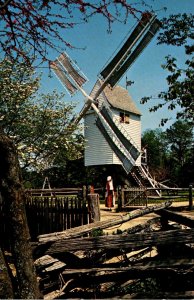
x: 97, y: 149
x: 133, y: 129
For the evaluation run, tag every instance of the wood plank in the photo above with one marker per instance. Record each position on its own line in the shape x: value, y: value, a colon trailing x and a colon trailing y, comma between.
x: 45, y: 261
x: 80, y: 230
x: 177, y: 295
x: 142, y: 226
x: 151, y: 266
x: 177, y: 217
x: 131, y: 241
x: 162, y: 295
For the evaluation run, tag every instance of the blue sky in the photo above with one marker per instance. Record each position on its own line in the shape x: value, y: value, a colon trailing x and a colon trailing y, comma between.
x: 146, y: 72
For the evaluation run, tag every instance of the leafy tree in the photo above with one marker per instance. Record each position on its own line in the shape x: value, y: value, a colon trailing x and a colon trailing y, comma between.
x: 177, y: 30
x: 37, y: 26
x: 39, y: 125
x: 170, y: 153
x: 153, y: 141
x: 180, y: 141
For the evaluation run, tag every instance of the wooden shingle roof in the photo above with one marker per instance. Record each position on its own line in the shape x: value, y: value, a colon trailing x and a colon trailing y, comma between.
x: 119, y: 98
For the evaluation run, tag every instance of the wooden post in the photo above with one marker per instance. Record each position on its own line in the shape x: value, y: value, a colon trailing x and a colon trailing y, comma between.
x: 84, y: 192
x: 119, y: 204
x: 123, y: 197
x: 146, y: 197
x: 190, y: 197
x: 94, y: 207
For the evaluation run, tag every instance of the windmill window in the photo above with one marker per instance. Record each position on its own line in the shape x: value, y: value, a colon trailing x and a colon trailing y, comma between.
x: 124, y: 118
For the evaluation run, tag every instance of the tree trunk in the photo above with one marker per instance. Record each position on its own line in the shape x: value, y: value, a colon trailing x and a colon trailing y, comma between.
x: 13, y: 195
x: 6, y: 291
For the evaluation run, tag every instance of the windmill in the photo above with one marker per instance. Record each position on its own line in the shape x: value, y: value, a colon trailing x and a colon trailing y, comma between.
x: 73, y: 79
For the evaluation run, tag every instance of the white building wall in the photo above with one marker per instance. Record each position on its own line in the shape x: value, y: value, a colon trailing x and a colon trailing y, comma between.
x: 133, y: 129
x: 97, y: 149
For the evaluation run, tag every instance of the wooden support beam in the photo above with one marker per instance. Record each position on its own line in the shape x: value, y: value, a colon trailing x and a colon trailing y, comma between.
x: 168, y: 264
x: 176, y: 217
x: 131, y: 241
x: 176, y: 295
x: 142, y: 226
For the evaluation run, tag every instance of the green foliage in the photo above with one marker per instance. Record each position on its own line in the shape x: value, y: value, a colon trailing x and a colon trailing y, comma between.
x: 146, y: 287
x: 177, y: 30
x: 170, y: 153
x: 155, y: 144
x: 40, y: 125
x: 181, y: 159
x: 180, y: 137
x: 97, y: 232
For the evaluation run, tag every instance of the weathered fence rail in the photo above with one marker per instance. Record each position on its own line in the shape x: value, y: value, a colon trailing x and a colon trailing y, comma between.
x: 134, y: 196
x: 158, y: 251
x: 56, y: 192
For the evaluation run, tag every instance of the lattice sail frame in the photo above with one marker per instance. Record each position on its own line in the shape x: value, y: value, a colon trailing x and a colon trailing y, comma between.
x: 71, y: 77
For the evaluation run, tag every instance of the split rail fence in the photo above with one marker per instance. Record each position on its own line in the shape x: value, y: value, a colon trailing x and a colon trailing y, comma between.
x: 54, y: 210
x: 141, y: 196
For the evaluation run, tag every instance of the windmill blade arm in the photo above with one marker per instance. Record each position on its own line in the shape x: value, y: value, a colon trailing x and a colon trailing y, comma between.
x: 83, y: 111
x: 127, y: 144
x: 140, y: 47
x: 125, y: 50
x: 127, y: 164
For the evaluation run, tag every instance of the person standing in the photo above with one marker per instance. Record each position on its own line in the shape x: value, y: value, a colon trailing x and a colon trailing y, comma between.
x: 109, y: 195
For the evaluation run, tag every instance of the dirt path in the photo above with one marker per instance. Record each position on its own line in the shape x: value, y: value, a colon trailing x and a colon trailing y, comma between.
x: 106, y: 214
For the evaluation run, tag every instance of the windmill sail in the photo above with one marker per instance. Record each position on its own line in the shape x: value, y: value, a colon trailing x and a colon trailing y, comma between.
x: 128, y: 145
x: 143, y: 43
x: 125, y: 50
x: 73, y: 79
x: 63, y: 78
x: 75, y: 74
x: 127, y: 164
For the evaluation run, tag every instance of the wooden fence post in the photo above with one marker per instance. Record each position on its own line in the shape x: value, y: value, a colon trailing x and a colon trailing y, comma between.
x: 146, y: 197
x: 122, y: 197
x: 84, y: 192
x: 94, y: 207
x: 119, y: 203
x: 190, y: 197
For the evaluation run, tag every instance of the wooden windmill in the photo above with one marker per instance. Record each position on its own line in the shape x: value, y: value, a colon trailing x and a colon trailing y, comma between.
x: 122, y: 144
